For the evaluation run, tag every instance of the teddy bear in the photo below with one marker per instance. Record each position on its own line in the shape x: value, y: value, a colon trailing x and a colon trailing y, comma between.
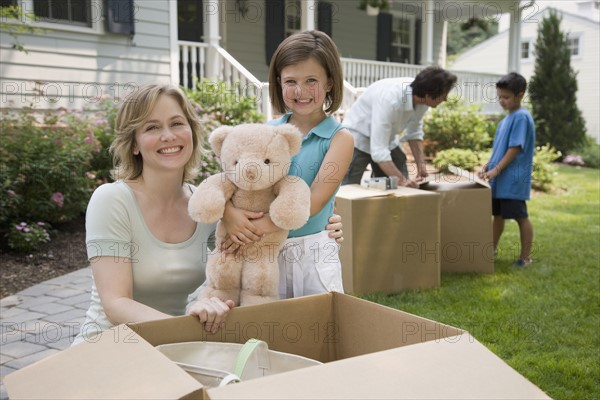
x: 254, y: 159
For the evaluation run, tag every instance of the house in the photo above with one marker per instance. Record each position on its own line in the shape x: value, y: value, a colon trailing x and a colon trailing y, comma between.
x: 94, y: 48
x: 580, y: 22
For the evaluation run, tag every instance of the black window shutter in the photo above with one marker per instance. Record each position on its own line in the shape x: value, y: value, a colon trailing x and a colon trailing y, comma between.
x: 325, y: 12
x: 384, y: 36
x: 120, y: 16
x: 418, y: 30
x: 274, y: 25
x: 190, y: 20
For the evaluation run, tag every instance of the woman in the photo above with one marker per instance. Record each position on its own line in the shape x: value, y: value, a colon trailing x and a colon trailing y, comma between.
x: 146, y: 253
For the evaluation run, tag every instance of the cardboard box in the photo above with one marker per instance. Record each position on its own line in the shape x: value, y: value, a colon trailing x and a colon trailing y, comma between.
x: 370, y: 351
x: 465, y: 222
x: 391, y: 239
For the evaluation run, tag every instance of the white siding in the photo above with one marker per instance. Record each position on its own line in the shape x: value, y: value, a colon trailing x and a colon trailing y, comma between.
x: 73, y: 68
x: 244, y: 39
x: 354, y: 32
x: 492, y: 56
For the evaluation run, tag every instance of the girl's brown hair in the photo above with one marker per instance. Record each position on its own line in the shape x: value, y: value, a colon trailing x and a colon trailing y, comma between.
x: 300, y: 47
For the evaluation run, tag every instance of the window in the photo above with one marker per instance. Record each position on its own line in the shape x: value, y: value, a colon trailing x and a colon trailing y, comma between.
x: 293, y: 15
x: 526, y: 50
x: 70, y: 12
x: 402, y: 40
x: 574, y: 45
x: 8, y: 3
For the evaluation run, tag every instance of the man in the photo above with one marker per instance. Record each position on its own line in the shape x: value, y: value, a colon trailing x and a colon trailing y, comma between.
x: 386, y: 108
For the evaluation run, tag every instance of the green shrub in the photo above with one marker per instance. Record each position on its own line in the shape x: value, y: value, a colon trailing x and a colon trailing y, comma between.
x: 456, y: 125
x: 462, y: 158
x: 44, y: 166
x: 218, y: 104
x: 104, y: 131
x: 25, y: 237
x: 544, y: 170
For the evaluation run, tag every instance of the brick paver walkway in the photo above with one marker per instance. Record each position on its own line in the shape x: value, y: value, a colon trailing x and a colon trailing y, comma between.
x: 42, y: 320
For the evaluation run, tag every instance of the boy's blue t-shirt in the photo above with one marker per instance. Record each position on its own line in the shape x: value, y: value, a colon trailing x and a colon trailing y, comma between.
x: 306, y: 165
x: 514, y: 182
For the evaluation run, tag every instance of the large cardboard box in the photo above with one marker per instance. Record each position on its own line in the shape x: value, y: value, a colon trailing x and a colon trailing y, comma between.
x: 466, y: 222
x: 391, y: 239
x: 369, y: 351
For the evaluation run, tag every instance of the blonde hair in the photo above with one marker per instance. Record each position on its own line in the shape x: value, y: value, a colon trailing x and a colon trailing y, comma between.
x: 132, y: 114
x: 300, y: 47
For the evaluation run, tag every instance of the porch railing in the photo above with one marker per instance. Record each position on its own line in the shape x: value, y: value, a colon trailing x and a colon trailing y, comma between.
x: 472, y: 87
x: 194, y: 64
x: 202, y: 60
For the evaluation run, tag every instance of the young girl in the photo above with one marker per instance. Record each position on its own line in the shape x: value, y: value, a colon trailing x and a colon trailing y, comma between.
x: 306, y: 83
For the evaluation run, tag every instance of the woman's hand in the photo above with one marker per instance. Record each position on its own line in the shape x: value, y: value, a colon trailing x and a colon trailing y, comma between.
x: 335, y: 228
x: 211, y: 312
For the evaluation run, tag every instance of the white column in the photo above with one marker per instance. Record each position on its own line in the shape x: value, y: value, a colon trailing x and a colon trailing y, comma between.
x: 174, y: 45
x: 430, y: 16
x: 307, y: 20
x: 514, y: 40
x: 442, y: 55
x: 212, y: 37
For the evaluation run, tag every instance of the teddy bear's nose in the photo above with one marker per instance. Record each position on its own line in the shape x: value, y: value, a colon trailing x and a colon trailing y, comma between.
x: 251, y: 172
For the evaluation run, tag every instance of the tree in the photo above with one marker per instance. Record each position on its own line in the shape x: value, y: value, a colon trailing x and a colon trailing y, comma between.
x: 13, y: 20
x: 462, y: 35
x: 553, y: 89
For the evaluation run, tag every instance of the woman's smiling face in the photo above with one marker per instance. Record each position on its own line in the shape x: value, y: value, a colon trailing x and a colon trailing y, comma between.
x: 164, y: 140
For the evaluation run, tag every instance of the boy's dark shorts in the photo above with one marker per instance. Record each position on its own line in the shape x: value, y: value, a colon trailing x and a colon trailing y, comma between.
x: 509, y: 209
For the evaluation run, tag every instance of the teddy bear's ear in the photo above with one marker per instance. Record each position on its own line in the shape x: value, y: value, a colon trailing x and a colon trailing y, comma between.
x: 217, y: 137
x: 292, y: 135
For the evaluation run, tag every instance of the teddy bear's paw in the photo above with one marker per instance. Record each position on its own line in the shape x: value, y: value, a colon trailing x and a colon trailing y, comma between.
x: 207, y: 211
x: 289, y: 218
x: 248, y: 299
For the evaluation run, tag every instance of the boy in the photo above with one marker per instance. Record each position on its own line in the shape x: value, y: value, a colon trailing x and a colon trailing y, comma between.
x: 510, y: 166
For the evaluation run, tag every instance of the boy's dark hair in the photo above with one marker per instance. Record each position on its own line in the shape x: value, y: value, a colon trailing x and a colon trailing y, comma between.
x: 433, y: 81
x: 514, y: 82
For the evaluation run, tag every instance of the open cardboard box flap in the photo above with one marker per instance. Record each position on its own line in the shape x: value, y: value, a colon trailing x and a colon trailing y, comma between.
x: 352, y: 192
x: 117, y: 364
x: 370, y: 351
x: 457, y: 367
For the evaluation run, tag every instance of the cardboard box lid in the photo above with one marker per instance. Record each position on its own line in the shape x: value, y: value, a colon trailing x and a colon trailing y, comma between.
x: 354, y: 192
x: 456, y: 367
x: 120, y: 364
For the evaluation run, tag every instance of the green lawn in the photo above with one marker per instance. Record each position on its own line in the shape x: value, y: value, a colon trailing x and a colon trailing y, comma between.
x: 543, y: 320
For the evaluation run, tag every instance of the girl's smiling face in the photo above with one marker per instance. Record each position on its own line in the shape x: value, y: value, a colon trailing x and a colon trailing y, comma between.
x: 305, y: 86
x: 165, y: 139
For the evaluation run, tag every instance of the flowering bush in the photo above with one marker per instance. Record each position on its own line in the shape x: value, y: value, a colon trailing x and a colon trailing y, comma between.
x: 25, y: 237
x: 44, y: 166
x: 589, y: 152
x: 573, y: 159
